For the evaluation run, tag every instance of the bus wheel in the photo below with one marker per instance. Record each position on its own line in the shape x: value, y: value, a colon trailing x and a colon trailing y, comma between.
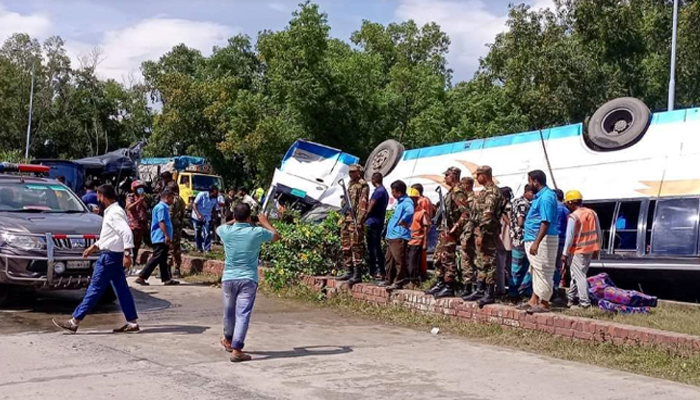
x: 383, y: 158
x: 617, y: 124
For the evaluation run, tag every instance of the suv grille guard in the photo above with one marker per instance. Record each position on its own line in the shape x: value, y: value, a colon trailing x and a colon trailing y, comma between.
x: 54, y: 242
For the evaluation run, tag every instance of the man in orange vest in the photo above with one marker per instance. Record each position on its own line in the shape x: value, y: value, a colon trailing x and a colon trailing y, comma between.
x: 582, y: 244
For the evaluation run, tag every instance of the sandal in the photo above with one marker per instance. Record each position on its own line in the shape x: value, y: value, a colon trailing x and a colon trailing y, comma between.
x: 226, y: 344
x: 538, y: 309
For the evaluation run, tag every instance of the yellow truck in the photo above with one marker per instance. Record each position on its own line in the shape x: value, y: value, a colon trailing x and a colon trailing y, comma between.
x: 193, y: 174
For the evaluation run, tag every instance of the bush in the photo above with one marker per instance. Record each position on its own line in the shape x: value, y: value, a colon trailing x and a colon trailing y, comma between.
x: 305, y: 249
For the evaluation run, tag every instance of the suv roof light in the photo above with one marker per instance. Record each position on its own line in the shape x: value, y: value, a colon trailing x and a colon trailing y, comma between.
x: 9, y: 167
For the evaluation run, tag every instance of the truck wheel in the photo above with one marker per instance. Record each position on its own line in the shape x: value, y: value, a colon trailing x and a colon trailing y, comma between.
x: 618, y: 124
x: 109, y: 296
x: 383, y: 158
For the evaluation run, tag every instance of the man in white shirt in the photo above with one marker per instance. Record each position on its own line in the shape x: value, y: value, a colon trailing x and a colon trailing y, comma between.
x: 248, y: 199
x: 115, y: 244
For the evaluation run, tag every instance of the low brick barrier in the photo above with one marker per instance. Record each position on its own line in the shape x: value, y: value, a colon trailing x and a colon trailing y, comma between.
x: 506, y: 316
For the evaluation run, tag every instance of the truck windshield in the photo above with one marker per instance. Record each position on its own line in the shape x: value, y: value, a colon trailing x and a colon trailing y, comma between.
x: 34, y: 197
x: 205, y: 182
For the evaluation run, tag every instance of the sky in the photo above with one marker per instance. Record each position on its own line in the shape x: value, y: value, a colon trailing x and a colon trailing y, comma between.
x: 129, y: 32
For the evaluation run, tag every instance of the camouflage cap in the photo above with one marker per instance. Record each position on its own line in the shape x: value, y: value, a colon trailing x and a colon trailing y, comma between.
x: 355, y: 168
x: 485, y: 170
x: 453, y: 171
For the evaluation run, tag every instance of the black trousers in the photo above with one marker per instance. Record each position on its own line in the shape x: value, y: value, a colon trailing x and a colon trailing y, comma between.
x: 415, y: 257
x: 159, y: 258
x: 374, y: 250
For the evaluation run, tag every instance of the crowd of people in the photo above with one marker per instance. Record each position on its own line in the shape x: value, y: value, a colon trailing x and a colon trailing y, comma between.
x: 536, y: 240
x: 533, y: 244
x: 122, y: 232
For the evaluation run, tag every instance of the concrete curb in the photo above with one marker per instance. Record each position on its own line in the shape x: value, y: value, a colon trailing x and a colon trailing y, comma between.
x: 506, y: 316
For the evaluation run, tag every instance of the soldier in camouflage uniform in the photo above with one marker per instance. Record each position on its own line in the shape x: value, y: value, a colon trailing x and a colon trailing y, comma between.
x: 487, y: 217
x: 351, y: 232
x: 177, y: 217
x: 456, y: 216
x: 469, y: 271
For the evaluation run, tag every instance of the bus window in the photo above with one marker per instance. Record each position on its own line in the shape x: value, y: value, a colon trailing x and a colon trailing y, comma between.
x: 675, y: 230
x: 626, y: 226
x: 650, y: 222
x: 185, y: 180
x: 605, y: 212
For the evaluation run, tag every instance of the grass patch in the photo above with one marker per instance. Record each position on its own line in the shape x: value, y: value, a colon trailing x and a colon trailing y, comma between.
x: 651, y: 361
x: 674, y: 317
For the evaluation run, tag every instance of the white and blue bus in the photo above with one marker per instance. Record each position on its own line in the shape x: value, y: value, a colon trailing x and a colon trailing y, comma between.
x: 639, y: 171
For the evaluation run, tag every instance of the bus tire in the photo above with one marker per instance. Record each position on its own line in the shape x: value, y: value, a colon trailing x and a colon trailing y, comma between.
x: 383, y: 158
x: 617, y: 124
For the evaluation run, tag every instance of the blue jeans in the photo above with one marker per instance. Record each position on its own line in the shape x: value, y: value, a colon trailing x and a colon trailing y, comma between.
x: 109, y: 269
x: 520, y: 283
x: 374, y: 250
x: 202, y: 234
x: 239, y: 298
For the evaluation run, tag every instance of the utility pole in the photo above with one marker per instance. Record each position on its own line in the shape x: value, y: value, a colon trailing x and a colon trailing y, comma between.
x: 672, y: 82
x: 29, y: 124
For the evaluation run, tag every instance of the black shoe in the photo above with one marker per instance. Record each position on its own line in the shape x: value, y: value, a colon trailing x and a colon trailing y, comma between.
x: 468, y: 290
x: 477, y: 294
x: 347, y: 275
x: 447, y: 291
x: 436, y: 288
x: 489, y: 297
x: 356, y: 276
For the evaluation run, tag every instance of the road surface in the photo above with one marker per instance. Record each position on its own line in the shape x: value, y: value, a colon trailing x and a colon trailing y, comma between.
x: 299, y: 352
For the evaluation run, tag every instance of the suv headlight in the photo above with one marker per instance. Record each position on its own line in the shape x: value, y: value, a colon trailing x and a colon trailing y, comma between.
x: 23, y: 242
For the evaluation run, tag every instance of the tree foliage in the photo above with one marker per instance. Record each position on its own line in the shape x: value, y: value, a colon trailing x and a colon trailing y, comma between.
x: 75, y: 114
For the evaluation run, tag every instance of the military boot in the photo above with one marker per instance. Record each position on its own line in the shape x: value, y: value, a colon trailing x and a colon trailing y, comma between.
x: 347, y: 275
x: 356, y: 276
x: 477, y: 294
x: 489, y: 297
x: 468, y: 290
x: 447, y: 291
x: 436, y: 288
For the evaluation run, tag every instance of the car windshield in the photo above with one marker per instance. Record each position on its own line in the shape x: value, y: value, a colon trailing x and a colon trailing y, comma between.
x: 204, y: 182
x: 38, y: 197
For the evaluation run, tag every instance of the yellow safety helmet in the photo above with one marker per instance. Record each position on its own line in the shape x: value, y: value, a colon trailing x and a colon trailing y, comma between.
x: 412, y: 192
x: 573, y: 195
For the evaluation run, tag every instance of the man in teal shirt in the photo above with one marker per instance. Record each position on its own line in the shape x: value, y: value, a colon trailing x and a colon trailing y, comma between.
x: 242, y: 241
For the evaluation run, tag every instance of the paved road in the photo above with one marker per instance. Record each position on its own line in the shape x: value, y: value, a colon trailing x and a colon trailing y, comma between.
x: 300, y: 353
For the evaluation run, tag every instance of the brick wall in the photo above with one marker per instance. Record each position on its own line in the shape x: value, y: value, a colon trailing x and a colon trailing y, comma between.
x: 505, y: 316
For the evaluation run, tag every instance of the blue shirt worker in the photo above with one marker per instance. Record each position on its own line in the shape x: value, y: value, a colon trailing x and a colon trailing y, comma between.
x: 398, y: 234
x: 90, y: 196
x: 376, y: 214
x: 115, y: 244
x: 239, y: 283
x: 161, y: 236
x: 204, y: 204
x: 541, y: 238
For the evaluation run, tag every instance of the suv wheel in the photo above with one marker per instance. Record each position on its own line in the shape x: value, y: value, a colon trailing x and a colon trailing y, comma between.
x: 4, y: 295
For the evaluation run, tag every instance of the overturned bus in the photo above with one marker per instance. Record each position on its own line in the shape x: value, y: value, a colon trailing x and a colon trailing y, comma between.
x: 637, y: 170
